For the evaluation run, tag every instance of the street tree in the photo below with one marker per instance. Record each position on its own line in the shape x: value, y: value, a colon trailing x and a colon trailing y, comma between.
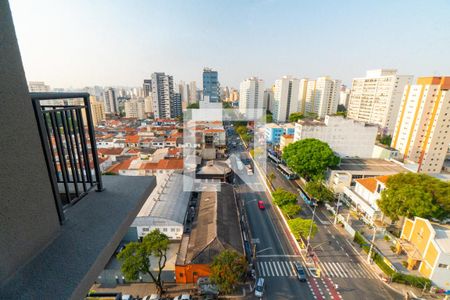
x: 228, y: 269
x: 294, y: 117
x: 282, y: 197
x: 320, y: 192
x: 291, y: 209
x: 301, y: 227
x: 136, y: 257
x: 194, y: 105
x: 411, y: 194
x: 309, y: 157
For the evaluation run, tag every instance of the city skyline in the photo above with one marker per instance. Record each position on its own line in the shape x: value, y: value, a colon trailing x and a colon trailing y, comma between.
x: 121, y: 44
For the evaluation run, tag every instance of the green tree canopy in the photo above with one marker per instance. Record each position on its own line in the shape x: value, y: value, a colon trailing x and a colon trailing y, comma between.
x: 309, y: 157
x: 300, y: 227
x: 291, y: 209
x: 282, y: 197
x: 294, y: 117
x: 227, y: 105
x: 269, y: 118
x: 194, y: 105
x: 386, y: 140
x: 136, y: 256
x: 317, y: 190
x: 411, y: 194
x: 227, y: 270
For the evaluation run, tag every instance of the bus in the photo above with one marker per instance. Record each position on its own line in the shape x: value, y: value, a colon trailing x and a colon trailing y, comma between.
x: 274, y: 158
x: 287, y: 172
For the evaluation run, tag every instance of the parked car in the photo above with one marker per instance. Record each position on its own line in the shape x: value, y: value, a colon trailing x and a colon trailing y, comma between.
x: 261, y: 205
x: 259, y: 289
x: 120, y: 248
x: 152, y: 297
x: 183, y: 297
x: 301, y: 275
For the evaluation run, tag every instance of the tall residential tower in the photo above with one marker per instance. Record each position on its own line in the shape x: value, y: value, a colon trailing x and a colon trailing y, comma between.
x: 251, y: 96
x: 285, y: 98
x: 211, y: 86
x: 376, y: 98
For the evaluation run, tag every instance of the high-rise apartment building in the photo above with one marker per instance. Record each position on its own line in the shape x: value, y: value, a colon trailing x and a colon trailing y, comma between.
x: 183, y: 90
x: 111, y: 105
x: 251, y: 96
x: 192, y: 92
x: 148, y: 104
x: 38, y: 87
x: 376, y: 98
x: 211, y: 86
x: 97, y: 110
x: 285, y: 98
x: 303, y: 87
x: 147, y: 86
x: 422, y: 130
x: 344, y: 96
x: 322, y: 96
x: 176, y: 109
x: 268, y: 99
x: 162, y: 95
x: 135, y: 108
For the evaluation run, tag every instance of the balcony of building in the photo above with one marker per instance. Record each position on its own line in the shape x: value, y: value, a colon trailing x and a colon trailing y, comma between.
x: 60, y: 219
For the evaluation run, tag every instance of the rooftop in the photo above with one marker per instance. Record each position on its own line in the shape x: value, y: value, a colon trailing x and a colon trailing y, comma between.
x: 215, y: 229
x: 371, y: 183
x: 368, y: 165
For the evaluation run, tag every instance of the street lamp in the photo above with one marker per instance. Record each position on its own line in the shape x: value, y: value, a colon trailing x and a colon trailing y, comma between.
x: 369, y: 256
x: 312, y: 221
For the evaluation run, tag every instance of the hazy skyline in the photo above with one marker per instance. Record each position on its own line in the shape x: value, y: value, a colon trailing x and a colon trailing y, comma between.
x: 86, y: 43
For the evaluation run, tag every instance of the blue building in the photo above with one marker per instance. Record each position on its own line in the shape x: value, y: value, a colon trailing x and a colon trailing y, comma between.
x: 275, y: 131
x: 211, y: 86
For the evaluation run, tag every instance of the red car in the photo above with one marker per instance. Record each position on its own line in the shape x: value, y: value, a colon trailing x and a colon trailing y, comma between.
x: 261, y: 205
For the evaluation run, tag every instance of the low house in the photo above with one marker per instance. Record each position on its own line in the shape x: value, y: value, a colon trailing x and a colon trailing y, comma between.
x: 364, y: 195
x: 350, y: 169
x: 216, y: 228
x: 427, y: 246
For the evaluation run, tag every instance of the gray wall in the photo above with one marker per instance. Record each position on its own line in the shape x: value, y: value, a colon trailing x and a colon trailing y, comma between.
x: 28, y: 217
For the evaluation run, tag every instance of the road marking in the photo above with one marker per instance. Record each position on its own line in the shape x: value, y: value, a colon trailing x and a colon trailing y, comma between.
x: 278, y: 255
x: 267, y: 268
x: 342, y: 269
x: 261, y: 269
x: 328, y: 230
x: 288, y: 266
x: 291, y: 264
x: 271, y: 268
x: 351, y: 270
x: 337, y: 242
x: 264, y: 250
x: 347, y: 254
x: 333, y: 237
x: 335, y: 268
x: 325, y: 270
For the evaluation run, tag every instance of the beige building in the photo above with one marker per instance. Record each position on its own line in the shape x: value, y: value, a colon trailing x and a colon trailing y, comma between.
x: 422, y: 131
x: 135, y: 108
x: 98, y: 110
x: 148, y: 104
x: 321, y: 98
x: 376, y: 98
x: 285, y: 140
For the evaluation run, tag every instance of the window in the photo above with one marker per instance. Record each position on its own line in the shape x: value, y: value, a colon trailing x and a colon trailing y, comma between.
x: 145, y: 229
x: 164, y: 229
x: 172, y: 229
x: 444, y: 266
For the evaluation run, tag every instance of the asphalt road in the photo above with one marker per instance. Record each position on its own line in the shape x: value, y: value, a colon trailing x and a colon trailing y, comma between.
x: 275, y: 257
x: 338, y: 260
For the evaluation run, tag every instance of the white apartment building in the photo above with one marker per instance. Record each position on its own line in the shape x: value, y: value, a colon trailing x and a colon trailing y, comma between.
x: 110, y: 100
x: 303, y: 88
x: 162, y: 95
x: 97, y: 110
x: 148, y: 104
x: 344, y: 96
x: 251, y: 97
x: 285, y: 98
x: 347, y: 138
x: 322, y: 96
x: 135, y: 108
x: 422, y: 131
x: 376, y: 98
x: 38, y: 87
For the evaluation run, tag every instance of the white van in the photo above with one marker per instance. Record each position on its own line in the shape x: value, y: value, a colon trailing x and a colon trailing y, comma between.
x: 259, y: 289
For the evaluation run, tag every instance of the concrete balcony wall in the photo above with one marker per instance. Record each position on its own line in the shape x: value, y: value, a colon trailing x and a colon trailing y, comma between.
x: 28, y: 216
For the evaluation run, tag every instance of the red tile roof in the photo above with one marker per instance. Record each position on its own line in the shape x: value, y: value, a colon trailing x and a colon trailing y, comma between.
x: 371, y: 182
x: 132, y: 138
x: 110, y: 151
x: 164, y: 164
x: 123, y: 165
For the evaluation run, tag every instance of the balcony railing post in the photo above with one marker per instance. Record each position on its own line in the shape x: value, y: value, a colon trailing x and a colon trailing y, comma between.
x: 50, y: 165
x: 91, y: 131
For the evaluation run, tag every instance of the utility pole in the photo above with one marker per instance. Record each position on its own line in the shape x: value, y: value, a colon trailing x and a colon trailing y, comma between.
x: 310, y: 227
x: 369, y: 257
x: 337, y: 210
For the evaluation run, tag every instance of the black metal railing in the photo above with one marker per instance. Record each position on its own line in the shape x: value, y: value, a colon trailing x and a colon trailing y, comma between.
x: 68, y: 140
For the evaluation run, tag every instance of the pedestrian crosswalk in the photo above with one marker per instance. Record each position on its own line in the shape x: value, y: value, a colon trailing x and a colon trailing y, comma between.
x: 286, y: 268
x: 345, y: 270
x: 277, y: 268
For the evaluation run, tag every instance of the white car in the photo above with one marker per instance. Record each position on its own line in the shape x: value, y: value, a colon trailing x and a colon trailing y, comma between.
x: 183, y: 297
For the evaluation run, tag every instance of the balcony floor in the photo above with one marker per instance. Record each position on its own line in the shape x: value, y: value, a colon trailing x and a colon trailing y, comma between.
x: 94, y: 226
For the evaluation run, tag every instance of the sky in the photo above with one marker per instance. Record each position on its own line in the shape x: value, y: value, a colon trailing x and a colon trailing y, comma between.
x: 77, y: 43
